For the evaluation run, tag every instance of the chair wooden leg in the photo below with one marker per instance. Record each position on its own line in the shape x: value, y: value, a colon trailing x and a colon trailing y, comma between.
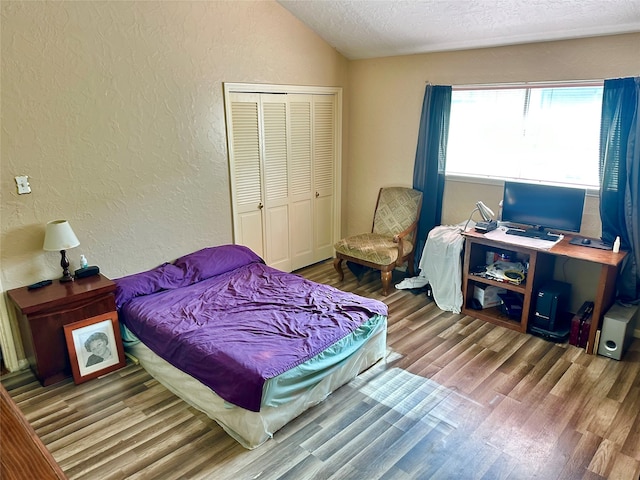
x: 386, y: 282
x: 337, y: 265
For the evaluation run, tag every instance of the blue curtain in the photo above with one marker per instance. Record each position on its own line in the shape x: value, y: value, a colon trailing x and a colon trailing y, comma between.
x: 620, y: 177
x: 431, y: 153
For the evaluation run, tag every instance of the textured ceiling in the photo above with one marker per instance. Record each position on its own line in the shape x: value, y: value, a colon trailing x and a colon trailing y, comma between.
x: 380, y: 28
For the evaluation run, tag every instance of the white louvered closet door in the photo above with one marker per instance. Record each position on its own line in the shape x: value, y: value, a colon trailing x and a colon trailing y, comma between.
x: 282, y: 159
x: 246, y: 170
x: 301, y: 181
x: 276, y: 181
x: 324, y: 174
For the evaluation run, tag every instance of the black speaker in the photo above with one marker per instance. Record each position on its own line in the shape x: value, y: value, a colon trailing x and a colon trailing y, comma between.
x: 552, y: 302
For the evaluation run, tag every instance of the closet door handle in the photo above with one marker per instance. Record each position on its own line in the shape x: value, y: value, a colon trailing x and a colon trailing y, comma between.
x: 260, y: 206
x: 317, y: 194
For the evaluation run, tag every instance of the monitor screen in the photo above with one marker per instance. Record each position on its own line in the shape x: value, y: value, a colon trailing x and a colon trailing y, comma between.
x: 543, y: 206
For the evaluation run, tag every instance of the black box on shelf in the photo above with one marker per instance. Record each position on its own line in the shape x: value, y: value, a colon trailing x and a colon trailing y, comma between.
x: 512, y: 305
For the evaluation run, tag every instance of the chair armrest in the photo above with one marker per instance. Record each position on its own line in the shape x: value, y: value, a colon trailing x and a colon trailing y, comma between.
x: 411, y: 229
x: 397, y: 238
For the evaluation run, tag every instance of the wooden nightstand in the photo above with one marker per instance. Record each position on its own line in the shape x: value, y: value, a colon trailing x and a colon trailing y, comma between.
x: 43, y: 312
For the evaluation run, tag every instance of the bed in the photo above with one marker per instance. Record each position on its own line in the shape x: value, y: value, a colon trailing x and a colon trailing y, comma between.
x: 249, y: 345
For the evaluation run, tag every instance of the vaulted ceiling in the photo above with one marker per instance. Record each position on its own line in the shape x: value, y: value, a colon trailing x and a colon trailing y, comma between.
x: 379, y: 28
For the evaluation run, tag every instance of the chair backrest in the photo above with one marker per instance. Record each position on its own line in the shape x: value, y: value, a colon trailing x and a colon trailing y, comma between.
x: 397, y: 209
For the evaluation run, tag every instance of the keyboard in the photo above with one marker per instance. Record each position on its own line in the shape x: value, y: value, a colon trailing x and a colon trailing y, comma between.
x: 549, y: 237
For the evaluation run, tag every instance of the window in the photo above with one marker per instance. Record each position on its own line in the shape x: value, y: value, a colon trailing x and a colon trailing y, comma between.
x: 546, y: 133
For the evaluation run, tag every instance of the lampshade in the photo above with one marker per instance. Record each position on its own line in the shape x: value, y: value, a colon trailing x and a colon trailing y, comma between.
x: 486, y: 212
x: 59, y: 236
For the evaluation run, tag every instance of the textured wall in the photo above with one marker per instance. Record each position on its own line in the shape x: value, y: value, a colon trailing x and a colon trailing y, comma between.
x: 386, y: 99
x: 385, y: 103
x: 115, y: 111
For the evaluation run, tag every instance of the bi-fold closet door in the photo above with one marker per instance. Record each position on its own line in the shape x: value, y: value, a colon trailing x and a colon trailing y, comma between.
x: 284, y: 169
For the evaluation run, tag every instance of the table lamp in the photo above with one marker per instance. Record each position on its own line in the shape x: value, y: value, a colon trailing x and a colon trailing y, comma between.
x: 488, y: 222
x: 486, y: 212
x: 60, y: 236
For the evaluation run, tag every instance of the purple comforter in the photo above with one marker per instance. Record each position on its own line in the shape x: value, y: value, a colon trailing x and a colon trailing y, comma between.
x: 237, y: 329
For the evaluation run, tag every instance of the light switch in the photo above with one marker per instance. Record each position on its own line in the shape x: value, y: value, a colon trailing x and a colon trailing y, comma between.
x: 22, y: 182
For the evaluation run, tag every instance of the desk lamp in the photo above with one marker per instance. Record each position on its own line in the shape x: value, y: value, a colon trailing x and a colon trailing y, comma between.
x: 60, y: 236
x: 487, y: 214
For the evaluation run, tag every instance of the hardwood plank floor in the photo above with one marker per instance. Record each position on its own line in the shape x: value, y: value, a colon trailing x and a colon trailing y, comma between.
x: 456, y: 398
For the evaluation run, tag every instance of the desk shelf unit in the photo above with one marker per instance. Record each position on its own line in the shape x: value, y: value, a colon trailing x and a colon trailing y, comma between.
x: 541, y: 267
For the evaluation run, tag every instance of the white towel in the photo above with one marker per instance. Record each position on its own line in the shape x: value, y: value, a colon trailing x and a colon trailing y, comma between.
x: 441, y: 267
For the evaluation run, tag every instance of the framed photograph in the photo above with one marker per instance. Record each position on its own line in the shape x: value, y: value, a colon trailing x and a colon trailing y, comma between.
x: 95, y: 347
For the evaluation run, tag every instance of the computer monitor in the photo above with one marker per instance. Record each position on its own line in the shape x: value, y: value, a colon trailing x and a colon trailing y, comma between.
x: 543, y: 207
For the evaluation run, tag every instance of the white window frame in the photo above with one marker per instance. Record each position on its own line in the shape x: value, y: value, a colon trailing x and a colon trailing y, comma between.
x: 499, y: 180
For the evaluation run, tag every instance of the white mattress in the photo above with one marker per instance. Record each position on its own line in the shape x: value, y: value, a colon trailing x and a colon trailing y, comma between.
x: 251, y: 429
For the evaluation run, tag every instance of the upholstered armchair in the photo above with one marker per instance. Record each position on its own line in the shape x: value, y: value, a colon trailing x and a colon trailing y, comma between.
x: 392, y: 238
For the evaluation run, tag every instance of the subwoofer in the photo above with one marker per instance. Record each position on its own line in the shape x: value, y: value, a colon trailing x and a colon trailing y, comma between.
x: 617, y: 331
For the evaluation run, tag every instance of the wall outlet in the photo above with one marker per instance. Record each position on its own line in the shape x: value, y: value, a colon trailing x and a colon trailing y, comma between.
x: 22, y: 182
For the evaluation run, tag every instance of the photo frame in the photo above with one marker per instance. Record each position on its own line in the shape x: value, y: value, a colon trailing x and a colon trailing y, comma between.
x: 94, y: 346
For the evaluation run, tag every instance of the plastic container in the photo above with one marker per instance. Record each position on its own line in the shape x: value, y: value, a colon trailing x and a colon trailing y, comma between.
x: 83, y: 262
x: 616, y: 245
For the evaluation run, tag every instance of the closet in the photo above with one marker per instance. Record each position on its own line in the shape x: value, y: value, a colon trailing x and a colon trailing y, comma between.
x: 284, y: 162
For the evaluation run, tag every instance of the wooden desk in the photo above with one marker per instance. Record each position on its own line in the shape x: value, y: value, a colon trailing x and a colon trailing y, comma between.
x: 541, y: 266
x: 43, y: 312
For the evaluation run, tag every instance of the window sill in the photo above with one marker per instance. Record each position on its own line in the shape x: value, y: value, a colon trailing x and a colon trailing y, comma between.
x: 498, y: 181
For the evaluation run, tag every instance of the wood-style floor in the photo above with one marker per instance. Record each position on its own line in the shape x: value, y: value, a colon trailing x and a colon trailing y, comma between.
x: 457, y: 399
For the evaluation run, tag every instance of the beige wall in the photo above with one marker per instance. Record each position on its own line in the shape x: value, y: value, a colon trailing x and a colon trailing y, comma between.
x: 386, y: 99
x: 385, y: 104
x: 115, y: 111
